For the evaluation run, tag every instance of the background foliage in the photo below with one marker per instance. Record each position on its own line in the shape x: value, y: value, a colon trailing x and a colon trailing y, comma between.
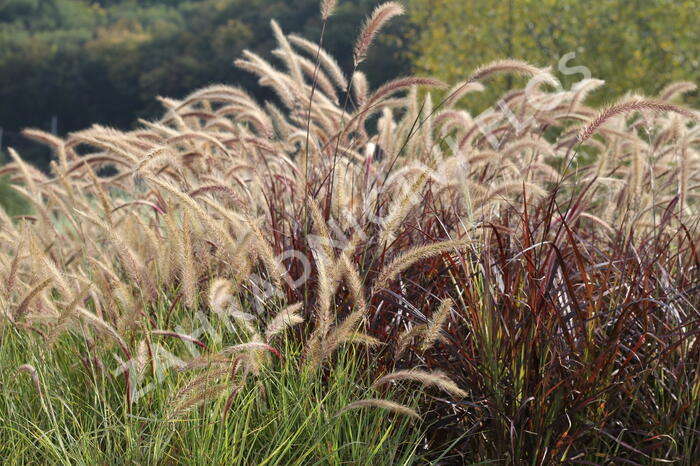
x: 86, y: 62
x: 632, y: 45
x: 66, y: 64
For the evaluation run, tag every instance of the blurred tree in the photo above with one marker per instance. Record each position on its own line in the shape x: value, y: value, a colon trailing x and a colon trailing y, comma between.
x: 631, y: 44
x: 105, y: 61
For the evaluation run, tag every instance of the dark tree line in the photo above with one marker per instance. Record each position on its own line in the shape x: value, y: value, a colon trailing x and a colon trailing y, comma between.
x: 68, y: 64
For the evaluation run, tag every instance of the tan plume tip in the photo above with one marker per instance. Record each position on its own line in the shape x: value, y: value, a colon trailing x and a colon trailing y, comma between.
x: 410, y: 257
x: 360, y: 87
x: 400, y: 84
x: 251, y: 346
x: 428, y: 379
x: 384, y: 404
x: 676, y: 89
x: 24, y: 304
x: 380, y: 16
x: 185, y: 405
x: 50, y: 140
x: 324, y: 58
x: 327, y: 8
x: 459, y: 90
x: 286, y: 318
x: 432, y: 333
x: 220, y: 295
x: 400, y: 208
x: 505, y: 66
x: 632, y: 105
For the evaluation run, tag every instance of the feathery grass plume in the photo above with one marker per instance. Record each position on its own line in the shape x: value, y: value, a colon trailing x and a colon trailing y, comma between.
x: 434, y: 378
x: 31, y: 370
x: 394, y: 86
x: 684, y: 170
x: 503, y: 66
x: 636, y: 174
x: 285, y: 319
x: 460, y: 90
x: 378, y: 101
x: 141, y: 360
x: 383, y: 404
x: 264, y: 250
x: 579, y: 93
x: 632, y: 105
x: 350, y: 334
x: 249, y: 349
x: 354, y: 282
x: 379, y: 17
x: 599, y: 221
x: 128, y: 318
x: 221, y: 190
x: 500, y: 191
x: 68, y: 311
x: 360, y: 88
x: 5, y: 311
x: 193, y: 136
x: 36, y: 254
x: 33, y: 292
x: 449, y: 119
x: 133, y: 267
x: 107, y: 206
x: 677, y: 89
x: 341, y: 202
x: 200, y: 397
x: 65, y: 184
x: 11, y: 275
x: 432, y: 332
x: 537, y: 146
x: 323, y: 82
x: 269, y: 76
x: 329, y: 64
x: 220, y: 295
x: 325, y: 270
x: 410, y: 257
x: 99, y: 324
x: 168, y: 263
x: 314, y: 350
x: 405, y: 338
x: 188, y: 269
x: 399, y: 209
x: 201, y: 380
x: 327, y: 8
x: 53, y: 141
x: 185, y: 200
x: 348, y: 329
x: 251, y: 346
x: 26, y: 173
x: 288, y: 55
x: 210, y: 362
x: 324, y: 236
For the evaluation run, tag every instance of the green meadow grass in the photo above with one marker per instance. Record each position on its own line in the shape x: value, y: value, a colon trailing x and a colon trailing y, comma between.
x: 289, y: 414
